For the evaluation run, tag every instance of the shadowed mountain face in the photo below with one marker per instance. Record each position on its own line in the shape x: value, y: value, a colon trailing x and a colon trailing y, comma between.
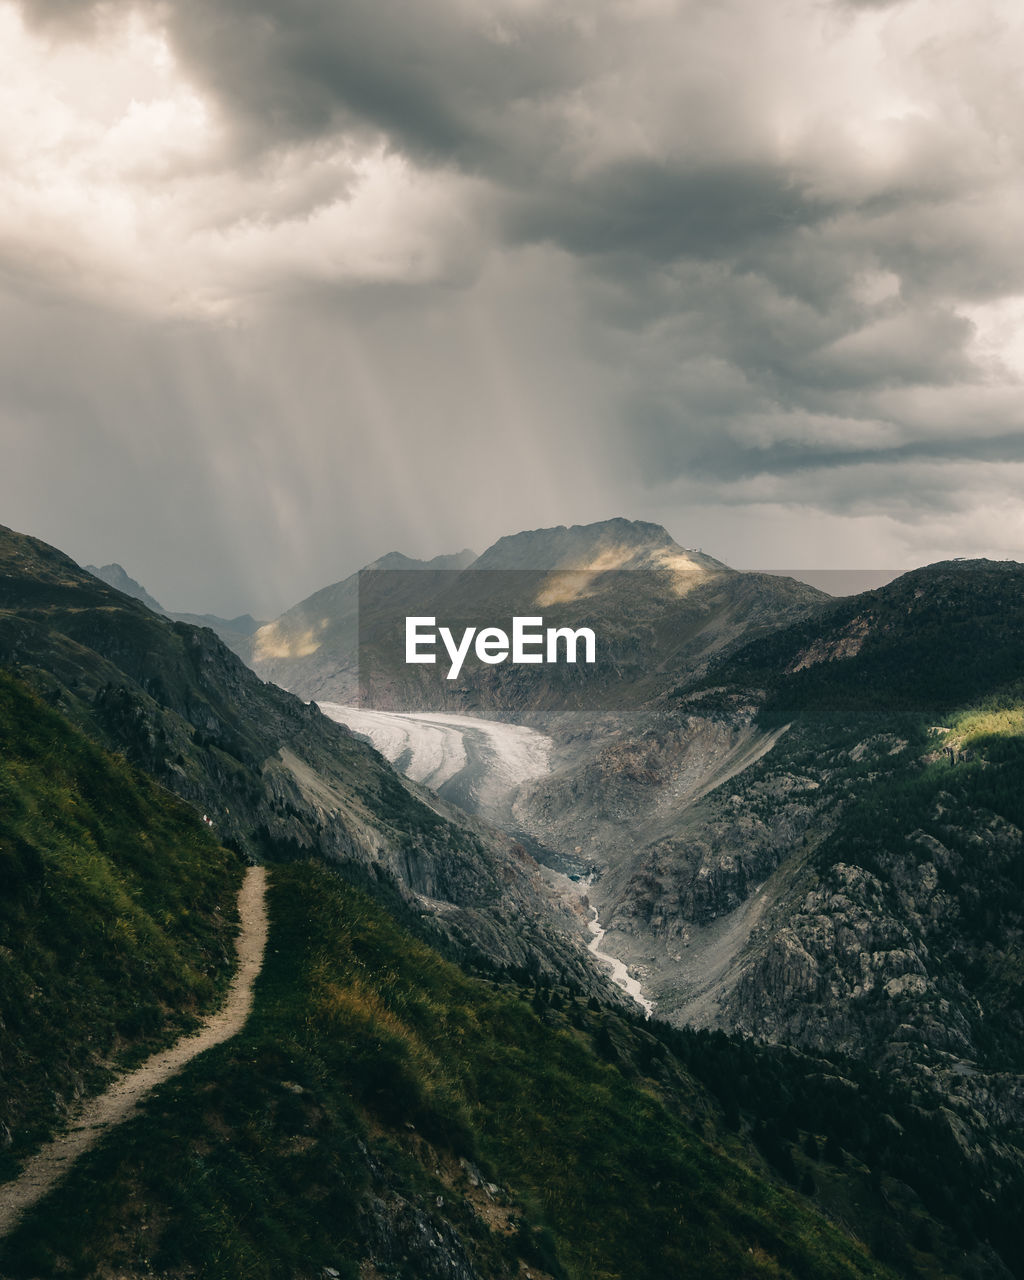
x: 117, y: 577
x: 277, y: 778
x: 235, y: 632
x: 657, y: 609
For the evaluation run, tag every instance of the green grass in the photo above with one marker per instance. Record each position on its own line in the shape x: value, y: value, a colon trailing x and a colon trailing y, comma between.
x: 369, y: 1067
x: 116, y: 911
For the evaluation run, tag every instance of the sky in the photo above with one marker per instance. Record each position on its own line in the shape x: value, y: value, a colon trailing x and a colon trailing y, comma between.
x: 285, y: 286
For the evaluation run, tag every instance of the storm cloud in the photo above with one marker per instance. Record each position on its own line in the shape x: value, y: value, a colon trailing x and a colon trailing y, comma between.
x: 287, y: 285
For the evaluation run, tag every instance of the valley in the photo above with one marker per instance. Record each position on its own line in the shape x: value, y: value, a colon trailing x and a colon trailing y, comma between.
x: 723, y: 936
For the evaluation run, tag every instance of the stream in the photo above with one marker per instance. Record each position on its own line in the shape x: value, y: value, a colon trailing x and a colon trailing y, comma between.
x: 480, y: 766
x: 620, y: 974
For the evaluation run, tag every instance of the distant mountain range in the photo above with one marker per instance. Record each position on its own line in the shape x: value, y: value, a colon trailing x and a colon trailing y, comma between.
x: 839, y: 582
x: 654, y: 604
x: 235, y: 632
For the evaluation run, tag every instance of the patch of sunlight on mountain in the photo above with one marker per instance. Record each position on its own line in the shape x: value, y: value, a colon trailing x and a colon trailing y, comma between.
x: 276, y: 641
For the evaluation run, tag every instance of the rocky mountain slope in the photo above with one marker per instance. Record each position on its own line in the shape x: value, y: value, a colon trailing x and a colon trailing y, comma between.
x: 236, y: 633
x: 275, y: 777
x: 818, y: 842
x: 799, y: 839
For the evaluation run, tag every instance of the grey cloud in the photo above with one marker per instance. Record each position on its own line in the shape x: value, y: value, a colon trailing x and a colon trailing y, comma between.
x: 501, y: 96
x: 787, y: 459
x: 965, y: 246
x: 906, y: 348
x: 654, y: 285
x: 68, y: 16
x: 439, y: 84
x: 647, y: 209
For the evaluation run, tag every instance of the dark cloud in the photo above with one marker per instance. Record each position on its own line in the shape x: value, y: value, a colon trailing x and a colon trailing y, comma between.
x: 439, y: 79
x: 789, y: 458
x: 646, y: 209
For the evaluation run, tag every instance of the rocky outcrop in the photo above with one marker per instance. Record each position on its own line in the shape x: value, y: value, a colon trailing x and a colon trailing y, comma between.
x: 406, y: 1239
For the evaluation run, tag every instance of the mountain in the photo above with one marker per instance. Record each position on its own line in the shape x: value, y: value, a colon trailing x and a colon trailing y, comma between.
x: 606, y: 545
x: 386, y: 1110
x: 117, y: 577
x: 235, y: 632
x: 818, y: 841
x: 314, y: 644
x: 277, y: 778
x: 244, y: 625
x: 841, y: 582
x: 656, y: 607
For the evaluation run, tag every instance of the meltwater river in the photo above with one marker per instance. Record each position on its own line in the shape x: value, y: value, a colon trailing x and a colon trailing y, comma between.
x: 477, y: 764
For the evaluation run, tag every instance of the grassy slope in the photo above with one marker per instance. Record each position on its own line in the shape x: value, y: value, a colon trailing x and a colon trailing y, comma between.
x: 370, y: 1067
x: 116, y: 910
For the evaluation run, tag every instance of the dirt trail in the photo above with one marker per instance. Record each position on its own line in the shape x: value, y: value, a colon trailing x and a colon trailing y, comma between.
x: 123, y: 1097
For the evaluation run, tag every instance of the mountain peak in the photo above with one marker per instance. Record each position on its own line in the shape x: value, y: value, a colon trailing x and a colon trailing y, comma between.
x: 117, y: 577
x: 397, y: 560
x: 607, y: 544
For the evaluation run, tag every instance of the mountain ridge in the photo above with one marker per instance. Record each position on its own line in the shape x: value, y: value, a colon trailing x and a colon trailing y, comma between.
x: 235, y: 632
x: 313, y: 648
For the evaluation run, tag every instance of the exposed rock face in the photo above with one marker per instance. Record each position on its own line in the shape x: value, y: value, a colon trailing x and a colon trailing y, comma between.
x: 628, y: 804
x: 845, y: 645
x: 819, y: 849
x: 839, y: 956
x: 403, y: 1236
